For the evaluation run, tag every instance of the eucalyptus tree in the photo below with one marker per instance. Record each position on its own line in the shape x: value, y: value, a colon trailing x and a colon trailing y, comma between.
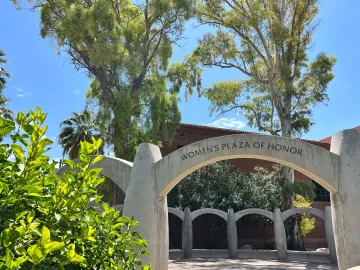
x: 267, y: 42
x: 125, y: 47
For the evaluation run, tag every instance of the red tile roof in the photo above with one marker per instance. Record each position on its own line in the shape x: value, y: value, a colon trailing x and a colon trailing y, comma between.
x: 242, y: 132
x: 328, y: 139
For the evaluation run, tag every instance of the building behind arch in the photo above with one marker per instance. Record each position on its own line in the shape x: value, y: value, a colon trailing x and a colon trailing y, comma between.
x: 190, y: 133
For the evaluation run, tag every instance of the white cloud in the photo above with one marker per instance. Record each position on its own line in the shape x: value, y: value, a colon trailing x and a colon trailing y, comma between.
x: 76, y: 92
x: 230, y: 123
x: 21, y: 92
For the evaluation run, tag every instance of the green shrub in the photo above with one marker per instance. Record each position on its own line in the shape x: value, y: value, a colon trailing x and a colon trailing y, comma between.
x: 307, y: 223
x: 47, y: 221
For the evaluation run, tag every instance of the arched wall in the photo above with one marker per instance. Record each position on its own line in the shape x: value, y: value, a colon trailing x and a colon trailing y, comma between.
x: 316, y: 212
x: 204, y: 211
x: 176, y: 212
x: 256, y: 211
x: 313, y: 161
x: 116, y: 169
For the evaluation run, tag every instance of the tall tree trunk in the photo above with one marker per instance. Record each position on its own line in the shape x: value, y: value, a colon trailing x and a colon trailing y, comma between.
x: 291, y: 222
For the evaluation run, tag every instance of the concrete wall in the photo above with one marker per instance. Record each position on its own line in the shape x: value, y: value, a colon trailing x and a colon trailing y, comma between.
x: 315, y: 162
x: 300, y: 256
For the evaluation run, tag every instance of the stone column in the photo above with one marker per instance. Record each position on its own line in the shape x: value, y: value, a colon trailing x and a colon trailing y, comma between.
x: 280, y: 235
x: 143, y: 203
x: 187, y: 234
x: 346, y: 202
x: 232, y: 239
x: 330, y: 234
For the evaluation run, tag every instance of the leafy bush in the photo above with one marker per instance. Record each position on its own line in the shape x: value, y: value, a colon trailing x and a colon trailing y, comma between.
x: 47, y: 221
x: 219, y: 186
x: 307, y: 223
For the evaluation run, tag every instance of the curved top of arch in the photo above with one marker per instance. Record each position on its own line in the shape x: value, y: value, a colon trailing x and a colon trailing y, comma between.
x: 176, y: 212
x: 204, y: 211
x: 313, y: 161
x: 316, y: 212
x: 257, y: 211
x: 118, y: 170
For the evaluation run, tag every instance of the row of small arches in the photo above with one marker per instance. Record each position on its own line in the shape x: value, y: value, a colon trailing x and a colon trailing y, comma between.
x: 285, y: 215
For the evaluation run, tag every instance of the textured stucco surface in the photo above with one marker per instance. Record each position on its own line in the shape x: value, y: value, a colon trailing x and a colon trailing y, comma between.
x: 187, y: 234
x: 330, y: 237
x: 280, y: 236
x: 315, y: 162
x: 204, y: 211
x: 232, y: 234
x: 345, y: 202
x: 254, y: 211
x: 142, y: 203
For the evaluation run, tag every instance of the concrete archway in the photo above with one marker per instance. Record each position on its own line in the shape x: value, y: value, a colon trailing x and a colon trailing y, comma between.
x: 207, y: 211
x: 232, y: 226
x: 116, y: 169
x: 316, y: 212
x: 204, y: 211
x: 255, y: 211
x: 315, y: 162
x: 176, y: 212
x: 324, y: 215
x: 152, y: 177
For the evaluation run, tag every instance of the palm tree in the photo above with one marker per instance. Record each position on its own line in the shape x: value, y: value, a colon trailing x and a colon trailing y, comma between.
x: 4, y: 112
x: 78, y: 128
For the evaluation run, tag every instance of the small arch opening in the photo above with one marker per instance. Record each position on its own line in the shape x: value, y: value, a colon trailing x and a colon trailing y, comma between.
x: 175, y: 232
x: 209, y: 232
x: 255, y: 231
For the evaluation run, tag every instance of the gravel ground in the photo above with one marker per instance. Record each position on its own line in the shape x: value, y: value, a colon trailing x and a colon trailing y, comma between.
x: 227, y: 264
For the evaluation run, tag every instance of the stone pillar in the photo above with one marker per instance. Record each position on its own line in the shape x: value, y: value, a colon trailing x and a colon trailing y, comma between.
x: 187, y: 234
x: 345, y: 204
x: 330, y: 234
x: 143, y: 203
x: 280, y: 235
x: 232, y: 239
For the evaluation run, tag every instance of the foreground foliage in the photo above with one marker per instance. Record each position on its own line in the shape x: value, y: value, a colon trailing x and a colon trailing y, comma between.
x: 47, y: 221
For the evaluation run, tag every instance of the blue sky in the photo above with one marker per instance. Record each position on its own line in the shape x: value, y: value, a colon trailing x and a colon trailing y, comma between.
x: 41, y: 77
